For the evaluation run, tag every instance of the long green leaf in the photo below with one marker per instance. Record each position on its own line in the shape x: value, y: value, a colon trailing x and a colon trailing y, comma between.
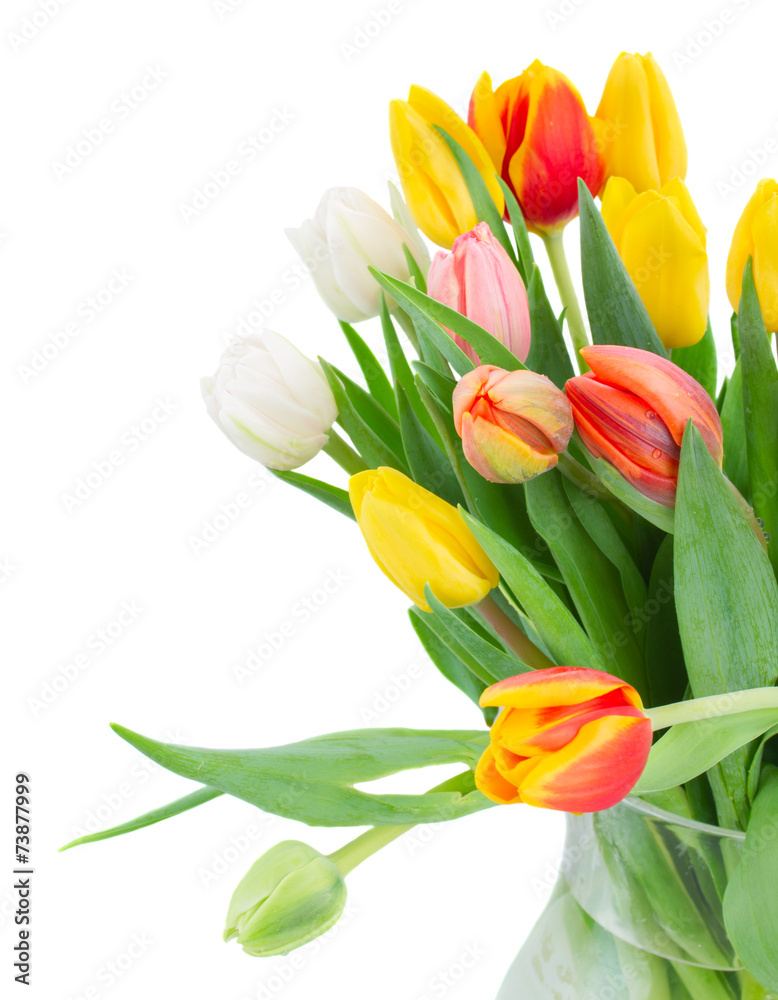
x: 526, y: 258
x: 563, y: 637
x: 594, y: 582
x: 402, y: 373
x: 428, y: 463
x: 760, y: 409
x: 313, y: 781
x: 548, y: 352
x: 377, y: 382
x: 487, y: 347
x: 483, y: 203
x: 751, y: 899
x: 734, y: 427
x: 616, y: 312
x: 447, y: 662
x: 181, y: 805
x: 665, y: 666
x: 726, y: 595
x: 691, y: 748
x: 489, y: 663
x: 332, y: 496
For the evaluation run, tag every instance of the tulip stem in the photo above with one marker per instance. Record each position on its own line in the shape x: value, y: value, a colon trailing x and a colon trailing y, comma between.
x: 583, y: 478
x: 564, y: 282
x: 361, y: 848
x: 712, y: 707
x: 343, y: 454
x: 512, y: 636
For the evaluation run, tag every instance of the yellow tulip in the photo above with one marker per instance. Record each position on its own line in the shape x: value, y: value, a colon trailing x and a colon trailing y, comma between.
x: 432, y: 182
x: 638, y: 124
x: 661, y: 240
x: 756, y: 235
x: 417, y: 538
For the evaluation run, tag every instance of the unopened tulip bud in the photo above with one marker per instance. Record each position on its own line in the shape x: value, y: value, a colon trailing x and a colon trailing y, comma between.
x: 568, y: 738
x: 632, y: 408
x: 661, y: 240
x: 513, y: 425
x: 541, y: 140
x: 756, y: 236
x: 638, y: 124
x: 433, y: 185
x: 348, y: 234
x: 416, y: 538
x: 288, y: 897
x: 271, y: 401
x: 479, y: 280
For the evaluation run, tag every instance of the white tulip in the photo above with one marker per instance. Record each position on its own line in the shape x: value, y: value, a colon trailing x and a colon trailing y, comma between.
x: 349, y: 232
x: 272, y: 401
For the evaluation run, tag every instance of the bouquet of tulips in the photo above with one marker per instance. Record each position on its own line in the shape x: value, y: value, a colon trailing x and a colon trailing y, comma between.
x: 588, y: 555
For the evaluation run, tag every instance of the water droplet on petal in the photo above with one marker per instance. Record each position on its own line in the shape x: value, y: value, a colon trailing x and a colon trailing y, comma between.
x: 656, y: 453
x: 767, y: 536
x: 650, y: 415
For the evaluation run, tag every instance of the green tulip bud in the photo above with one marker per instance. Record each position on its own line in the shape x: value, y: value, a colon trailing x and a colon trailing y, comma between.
x: 288, y: 897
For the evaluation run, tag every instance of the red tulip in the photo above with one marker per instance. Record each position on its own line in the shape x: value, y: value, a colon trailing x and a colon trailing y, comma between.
x: 568, y: 738
x: 632, y: 408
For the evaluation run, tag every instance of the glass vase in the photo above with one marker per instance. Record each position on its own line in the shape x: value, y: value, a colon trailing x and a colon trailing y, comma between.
x: 636, y: 914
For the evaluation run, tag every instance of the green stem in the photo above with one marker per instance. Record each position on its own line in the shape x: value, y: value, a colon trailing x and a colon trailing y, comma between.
x: 343, y: 454
x: 512, y: 636
x: 406, y: 324
x: 564, y: 283
x: 582, y: 477
x: 712, y: 707
x: 361, y: 848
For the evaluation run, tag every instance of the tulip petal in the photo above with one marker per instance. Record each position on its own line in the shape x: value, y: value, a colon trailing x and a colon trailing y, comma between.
x: 765, y: 234
x: 489, y: 781
x: 556, y: 686
x: 597, y: 769
x: 669, y: 139
x: 484, y: 119
x: 625, y: 108
x: 666, y: 260
x: 743, y: 239
x: 311, y: 246
x: 501, y: 456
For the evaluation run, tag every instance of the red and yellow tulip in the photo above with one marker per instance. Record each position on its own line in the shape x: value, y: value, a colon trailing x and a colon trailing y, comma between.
x: 632, y: 408
x: 479, y: 280
x: 541, y: 140
x: 568, y: 738
x: 756, y: 236
x: 436, y: 193
x: 513, y: 425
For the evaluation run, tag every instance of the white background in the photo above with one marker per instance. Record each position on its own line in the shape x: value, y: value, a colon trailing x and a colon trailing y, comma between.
x: 419, y: 905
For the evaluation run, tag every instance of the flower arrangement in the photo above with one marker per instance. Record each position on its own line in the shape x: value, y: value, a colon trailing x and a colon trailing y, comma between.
x: 532, y: 515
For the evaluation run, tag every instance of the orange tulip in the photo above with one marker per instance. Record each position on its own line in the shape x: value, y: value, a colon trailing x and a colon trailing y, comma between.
x: 541, y: 140
x: 568, y: 738
x: 631, y: 409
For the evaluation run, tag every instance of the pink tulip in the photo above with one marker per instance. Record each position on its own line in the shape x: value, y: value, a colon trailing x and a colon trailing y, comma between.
x: 479, y: 280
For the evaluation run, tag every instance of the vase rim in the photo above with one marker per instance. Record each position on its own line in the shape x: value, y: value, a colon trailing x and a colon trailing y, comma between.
x: 639, y: 805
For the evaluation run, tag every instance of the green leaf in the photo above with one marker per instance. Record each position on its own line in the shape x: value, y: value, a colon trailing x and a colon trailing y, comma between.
x: 485, y: 660
x: 447, y: 662
x: 616, y: 312
x: 659, y: 515
x: 691, y: 748
x: 594, y: 582
x: 483, y: 203
x: 700, y: 361
x: 559, y: 631
x: 196, y: 798
x: 413, y: 268
x: 378, y: 384
x: 333, y: 496
x: 526, y: 259
x: 665, y: 666
x: 440, y: 386
x: 755, y: 768
x: 751, y: 899
x: 548, y: 352
x: 726, y: 594
x: 760, y: 408
x: 402, y: 373
x: 734, y: 428
x: 429, y: 466
x: 369, y: 426
x: 313, y: 781
x: 488, y: 348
